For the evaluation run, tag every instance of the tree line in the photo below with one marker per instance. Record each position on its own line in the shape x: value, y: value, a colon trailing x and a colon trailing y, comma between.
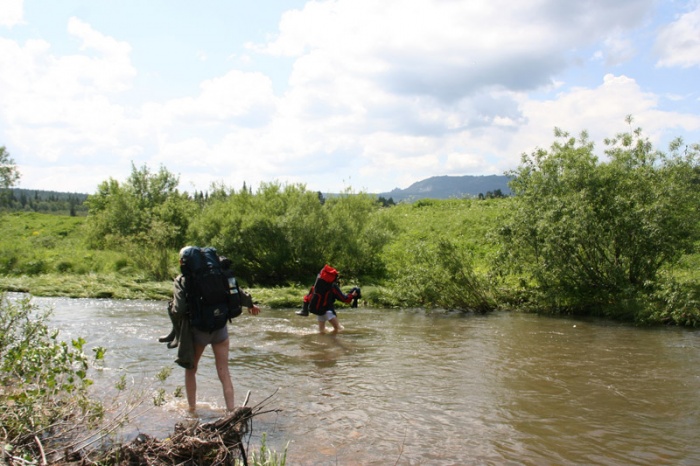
x: 48, y: 202
x: 25, y: 200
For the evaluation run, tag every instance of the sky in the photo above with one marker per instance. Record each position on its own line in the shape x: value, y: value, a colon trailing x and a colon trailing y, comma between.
x: 359, y: 95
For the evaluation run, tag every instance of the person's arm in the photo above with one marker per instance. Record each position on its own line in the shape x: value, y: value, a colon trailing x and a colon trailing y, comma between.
x: 346, y: 298
x: 179, y: 296
x: 247, y: 301
x: 179, y: 308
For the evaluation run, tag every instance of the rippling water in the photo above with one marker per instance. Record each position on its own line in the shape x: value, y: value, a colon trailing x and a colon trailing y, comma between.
x: 406, y: 387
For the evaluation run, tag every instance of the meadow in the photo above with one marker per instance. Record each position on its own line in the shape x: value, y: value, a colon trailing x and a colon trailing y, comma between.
x: 48, y: 255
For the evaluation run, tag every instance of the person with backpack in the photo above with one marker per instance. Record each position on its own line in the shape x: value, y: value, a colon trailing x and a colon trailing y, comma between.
x: 321, y: 298
x: 205, y: 297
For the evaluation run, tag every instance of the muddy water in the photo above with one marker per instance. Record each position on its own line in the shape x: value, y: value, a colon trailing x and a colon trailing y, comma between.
x: 406, y: 387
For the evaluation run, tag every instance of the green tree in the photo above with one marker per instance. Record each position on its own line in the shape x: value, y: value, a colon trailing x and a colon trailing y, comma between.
x: 591, y: 236
x: 146, y: 213
x: 355, y: 235
x: 272, y: 237
x: 435, y: 272
x: 8, y: 170
x: 8, y: 175
x: 285, y: 233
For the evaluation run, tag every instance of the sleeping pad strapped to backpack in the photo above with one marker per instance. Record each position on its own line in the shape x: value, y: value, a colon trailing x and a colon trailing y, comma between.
x: 213, y: 296
x: 319, y: 295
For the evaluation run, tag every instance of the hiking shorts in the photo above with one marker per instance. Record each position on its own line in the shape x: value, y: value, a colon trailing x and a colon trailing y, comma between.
x: 329, y: 315
x: 203, y: 338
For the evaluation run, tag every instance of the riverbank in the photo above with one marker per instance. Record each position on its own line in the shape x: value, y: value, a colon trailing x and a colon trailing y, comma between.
x: 116, y: 286
x: 47, y: 255
x: 680, y: 308
x: 87, y: 286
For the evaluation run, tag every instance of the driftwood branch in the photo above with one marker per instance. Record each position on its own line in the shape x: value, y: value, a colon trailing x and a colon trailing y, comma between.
x: 219, y: 442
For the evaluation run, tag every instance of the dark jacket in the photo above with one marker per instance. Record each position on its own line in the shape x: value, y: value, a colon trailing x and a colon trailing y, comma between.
x: 335, y: 293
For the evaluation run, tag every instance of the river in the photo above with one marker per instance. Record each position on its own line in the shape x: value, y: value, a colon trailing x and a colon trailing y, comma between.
x: 408, y: 387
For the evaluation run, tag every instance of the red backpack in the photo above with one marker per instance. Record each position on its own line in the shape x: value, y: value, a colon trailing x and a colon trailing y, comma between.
x: 317, y: 298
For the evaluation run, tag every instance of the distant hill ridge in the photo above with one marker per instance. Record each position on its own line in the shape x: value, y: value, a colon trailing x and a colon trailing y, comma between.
x: 436, y: 187
x: 446, y: 187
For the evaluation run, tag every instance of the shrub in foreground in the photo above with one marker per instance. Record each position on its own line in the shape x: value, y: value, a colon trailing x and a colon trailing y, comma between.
x: 43, y: 383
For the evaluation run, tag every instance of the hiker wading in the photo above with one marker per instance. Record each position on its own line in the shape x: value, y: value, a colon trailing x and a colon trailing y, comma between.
x: 321, y: 299
x: 218, y: 339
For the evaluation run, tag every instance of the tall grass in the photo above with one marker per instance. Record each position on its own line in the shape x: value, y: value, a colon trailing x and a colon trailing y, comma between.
x: 47, y: 255
x: 34, y: 243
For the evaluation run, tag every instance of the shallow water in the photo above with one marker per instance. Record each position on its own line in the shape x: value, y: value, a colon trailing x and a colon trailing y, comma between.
x: 406, y: 387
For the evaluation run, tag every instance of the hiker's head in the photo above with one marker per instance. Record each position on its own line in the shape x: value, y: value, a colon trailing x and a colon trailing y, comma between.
x: 185, y: 254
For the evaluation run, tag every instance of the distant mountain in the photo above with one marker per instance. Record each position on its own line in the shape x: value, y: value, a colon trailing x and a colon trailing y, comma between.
x: 445, y: 187
x: 437, y: 187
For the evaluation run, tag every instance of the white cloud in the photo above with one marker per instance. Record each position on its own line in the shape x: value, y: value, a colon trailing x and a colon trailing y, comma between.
x: 110, y: 71
x: 601, y: 111
x: 380, y: 95
x: 11, y: 13
x: 59, y: 106
x: 464, y: 163
x: 446, y: 50
x: 33, y: 78
x: 617, y: 50
x: 678, y: 44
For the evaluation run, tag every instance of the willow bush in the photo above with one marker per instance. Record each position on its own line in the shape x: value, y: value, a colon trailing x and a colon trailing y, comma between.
x: 272, y: 237
x: 355, y: 235
x: 591, y: 236
x: 433, y: 272
x: 284, y: 234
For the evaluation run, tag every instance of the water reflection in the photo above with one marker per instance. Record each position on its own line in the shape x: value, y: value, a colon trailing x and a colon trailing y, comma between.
x: 428, y: 388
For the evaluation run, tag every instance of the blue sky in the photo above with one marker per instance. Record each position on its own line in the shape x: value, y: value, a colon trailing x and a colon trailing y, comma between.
x: 361, y: 94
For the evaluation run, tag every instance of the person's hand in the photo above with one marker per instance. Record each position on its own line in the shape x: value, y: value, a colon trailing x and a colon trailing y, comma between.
x: 255, y: 310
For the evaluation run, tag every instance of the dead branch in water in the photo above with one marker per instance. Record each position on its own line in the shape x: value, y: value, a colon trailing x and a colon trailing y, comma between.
x: 219, y: 442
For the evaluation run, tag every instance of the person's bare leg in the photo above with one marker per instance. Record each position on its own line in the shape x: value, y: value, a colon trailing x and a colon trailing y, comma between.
x: 191, y: 378
x: 221, y: 351
x: 336, y: 325
x: 321, y: 327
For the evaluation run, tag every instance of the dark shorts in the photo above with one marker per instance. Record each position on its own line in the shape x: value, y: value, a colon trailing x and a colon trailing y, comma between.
x: 203, y: 338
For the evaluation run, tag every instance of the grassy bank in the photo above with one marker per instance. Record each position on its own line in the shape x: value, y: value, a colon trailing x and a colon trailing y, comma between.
x: 116, y: 286
x: 45, y: 255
